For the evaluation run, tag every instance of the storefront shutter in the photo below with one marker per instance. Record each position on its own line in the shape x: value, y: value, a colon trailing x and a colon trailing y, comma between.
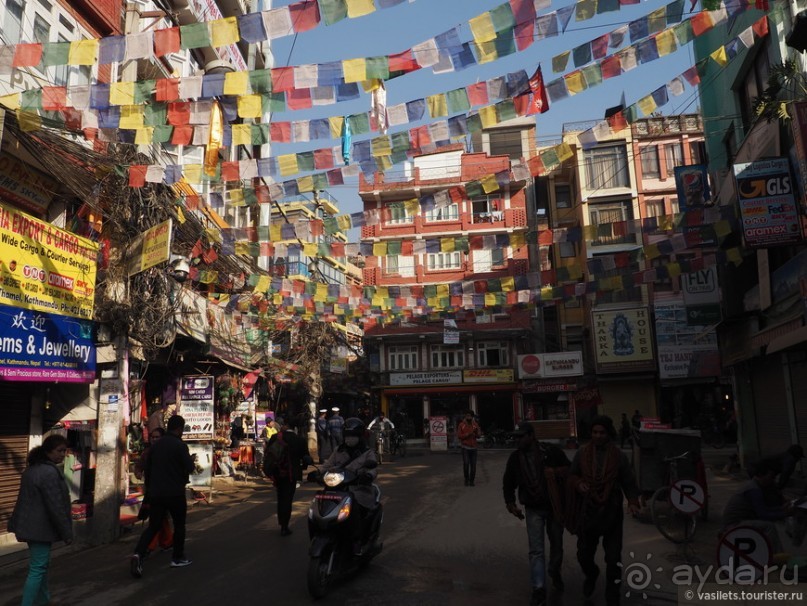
x: 770, y: 405
x: 15, y: 420
x: 798, y: 382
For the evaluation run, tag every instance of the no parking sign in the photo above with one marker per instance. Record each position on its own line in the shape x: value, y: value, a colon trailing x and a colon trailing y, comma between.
x: 745, y: 552
x: 438, y: 433
x: 687, y: 496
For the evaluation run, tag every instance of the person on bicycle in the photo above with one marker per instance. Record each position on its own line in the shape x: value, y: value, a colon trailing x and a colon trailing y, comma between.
x: 468, y: 432
x: 354, y: 455
x: 599, y: 476
x: 384, y: 426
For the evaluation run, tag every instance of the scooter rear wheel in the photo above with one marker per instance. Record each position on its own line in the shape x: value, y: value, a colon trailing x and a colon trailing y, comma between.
x: 318, y: 579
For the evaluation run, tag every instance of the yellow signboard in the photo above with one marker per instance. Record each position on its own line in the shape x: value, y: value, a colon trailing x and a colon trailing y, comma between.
x: 623, y: 340
x: 150, y: 248
x: 488, y: 375
x: 44, y: 268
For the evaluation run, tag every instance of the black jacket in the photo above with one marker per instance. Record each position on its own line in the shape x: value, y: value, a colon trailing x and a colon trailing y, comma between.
x: 298, y: 449
x: 531, y: 494
x: 168, y: 467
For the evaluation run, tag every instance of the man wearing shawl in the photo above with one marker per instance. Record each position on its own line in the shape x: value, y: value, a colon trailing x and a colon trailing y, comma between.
x: 599, y: 476
x: 537, y: 470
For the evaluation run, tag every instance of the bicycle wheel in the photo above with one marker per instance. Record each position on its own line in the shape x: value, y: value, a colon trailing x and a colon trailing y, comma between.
x: 673, y: 524
x: 402, y: 447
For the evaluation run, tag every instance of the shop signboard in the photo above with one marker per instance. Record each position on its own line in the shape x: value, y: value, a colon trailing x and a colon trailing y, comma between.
x: 451, y: 336
x: 196, y: 406
x: 488, y: 375
x: 550, y: 365
x: 701, y: 296
x: 44, y: 268
x: 42, y: 347
x: 23, y: 186
x: 438, y: 433
x: 150, y: 248
x: 622, y: 340
x: 228, y: 340
x: 191, y: 315
x: 692, y: 187
x: 549, y: 387
x: 437, y: 377
x: 684, y: 350
x: 768, y: 207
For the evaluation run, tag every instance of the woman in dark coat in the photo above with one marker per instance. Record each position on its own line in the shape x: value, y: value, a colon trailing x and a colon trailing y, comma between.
x: 42, y: 514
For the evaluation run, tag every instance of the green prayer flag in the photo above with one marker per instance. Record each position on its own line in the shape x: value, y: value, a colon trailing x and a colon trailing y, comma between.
x: 162, y: 133
x: 585, y: 10
x: 194, y: 35
x: 505, y: 110
x: 31, y: 100
x: 549, y: 157
x: 320, y: 181
x: 393, y: 248
x: 305, y: 162
x: 332, y: 11
x: 607, y: 6
x: 154, y: 114
x: 683, y: 32
x: 630, y: 113
x: 261, y: 81
x: 505, y: 43
x: 55, y: 53
x: 398, y: 156
x: 710, y: 5
x: 259, y: 134
x: 502, y: 17
x: 473, y: 123
x: 273, y: 102
x: 458, y: 101
x: 461, y: 244
x: 359, y: 124
x: 593, y: 74
x: 582, y: 54
x: 560, y: 61
x: 400, y: 142
x: 474, y: 189
x: 657, y: 20
x: 250, y: 197
x: 377, y: 67
x: 430, y: 291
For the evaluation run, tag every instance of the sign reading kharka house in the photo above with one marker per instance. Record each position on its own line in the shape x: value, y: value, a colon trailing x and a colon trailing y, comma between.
x: 42, y: 347
x: 44, y: 268
x: 767, y: 205
x: 622, y: 340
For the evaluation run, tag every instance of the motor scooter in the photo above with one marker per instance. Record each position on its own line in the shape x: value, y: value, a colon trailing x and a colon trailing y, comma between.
x: 331, y: 515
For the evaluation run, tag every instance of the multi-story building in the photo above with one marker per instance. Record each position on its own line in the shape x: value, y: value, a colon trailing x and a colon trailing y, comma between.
x: 442, y: 365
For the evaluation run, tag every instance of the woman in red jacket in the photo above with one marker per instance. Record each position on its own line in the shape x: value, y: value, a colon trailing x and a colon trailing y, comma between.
x: 467, y: 432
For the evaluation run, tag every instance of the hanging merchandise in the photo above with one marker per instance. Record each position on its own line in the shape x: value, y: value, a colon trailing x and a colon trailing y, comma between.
x: 378, y: 108
x: 215, y: 140
x: 346, y: 140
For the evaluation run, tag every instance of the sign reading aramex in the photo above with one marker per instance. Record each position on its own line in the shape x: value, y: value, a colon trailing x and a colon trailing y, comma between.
x: 767, y: 204
x: 44, y: 268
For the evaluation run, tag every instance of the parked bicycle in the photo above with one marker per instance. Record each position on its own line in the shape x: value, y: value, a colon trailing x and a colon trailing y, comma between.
x: 498, y: 437
x: 397, y: 443
x: 673, y: 507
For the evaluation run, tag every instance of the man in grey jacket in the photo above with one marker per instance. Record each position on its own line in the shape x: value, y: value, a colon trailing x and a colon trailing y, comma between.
x: 167, y: 474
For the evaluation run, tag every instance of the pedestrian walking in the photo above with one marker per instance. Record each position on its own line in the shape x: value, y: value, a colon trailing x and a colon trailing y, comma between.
x: 286, y: 457
x: 322, y: 434
x: 624, y: 431
x: 636, y: 420
x: 164, y: 538
x: 167, y: 474
x: 336, y: 425
x: 468, y: 432
x: 599, y: 476
x: 538, y: 471
x: 42, y: 514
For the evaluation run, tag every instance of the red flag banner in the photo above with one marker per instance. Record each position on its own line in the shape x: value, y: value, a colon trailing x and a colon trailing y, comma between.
x: 540, y: 101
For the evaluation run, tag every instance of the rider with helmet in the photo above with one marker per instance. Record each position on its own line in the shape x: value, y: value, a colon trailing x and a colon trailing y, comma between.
x: 354, y: 455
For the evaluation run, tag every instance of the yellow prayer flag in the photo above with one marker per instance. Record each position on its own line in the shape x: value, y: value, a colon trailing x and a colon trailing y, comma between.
x: 322, y: 292
x: 447, y: 244
x: 722, y: 229
x: 517, y: 240
x: 121, y: 93
x: 489, y: 183
x: 235, y: 83
x: 412, y: 207
x: 564, y: 152
x: 665, y: 222
x: 275, y: 233
x: 371, y: 85
x: 287, y: 163
x: 720, y: 56
x: 647, y: 105
x: 144, y: 136
x: 310, y: 249
x: 674, y: 269
x: 355, y: 70
x: 381, y: 146
x: 438, y: 106
x: 237, y: 197
x: 242, y: 134
x: 442, y: 290
x: 242, y: 247
x: 383, y: 163
x: 382, y: 291
x: 180, y: 215
x: 482, y: 28
x: 359, y: 8
x: 665, y: 42
x: 575, y: 82
x: 546, y: 293
x: 336, y: 123
x: 249, y: 106
x: 305, y: 184
x: 488, y: 116
x: 263, y: 284
x: 490, y: 299
x: 29, y: 121
x: 131, y: 117
x: 224, y: 32
x: 590, y: 232
x: 82, y: 52
x: 377, y: 301
x: 508, y: 283
x: 486, y: 52
x: 734, y: 256
x: 11, y: 101
x: 192, y: 172
x: 651, y: 251
x: 379, y: 249
x: 343, y: 222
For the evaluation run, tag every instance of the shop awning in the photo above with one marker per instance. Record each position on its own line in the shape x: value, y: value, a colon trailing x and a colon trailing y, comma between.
x: 790, y: 339
x: 767, y: 337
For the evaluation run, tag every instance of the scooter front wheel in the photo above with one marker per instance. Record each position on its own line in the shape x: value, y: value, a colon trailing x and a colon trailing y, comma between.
x: 318, y: 577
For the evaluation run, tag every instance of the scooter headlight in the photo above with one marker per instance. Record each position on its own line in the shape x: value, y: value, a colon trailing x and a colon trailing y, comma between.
x: 344, y: 511
x: 333, y: 478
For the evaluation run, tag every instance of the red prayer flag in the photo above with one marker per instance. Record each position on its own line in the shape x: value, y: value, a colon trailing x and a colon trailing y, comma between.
x: 54, y: 98
x: 166, y: 41
x: 476, y: 242
x: 72, y: 118
x: 323, y: 159
x: 691, y: 76
x: 335, y: 177
x: 137, y: 175
x: 540, y: 102
x: 282, y: 79
x: 762, y: 5
x: 298, y: 98
x: 617, y: 121
x: 179, y: 113
x: 167, y: 89
x: 197, y: 249
x: 403, y: 62
x: 478, y: 93
x: 230, y: 171
x: 304, y: 15
x: 280, y: 132
x: 599, y: 47
x: 338, y: 249
x: 407, y: 247
x: 521, y: 104
x: 182, y: 135
x: 611, y: 67
x: 701, y: 23
x: 536, y: 166
x: 545, y: 238
x: 760, y: 26
x: 317, y: 227
x: 524, y: 34
x: 27, y: 55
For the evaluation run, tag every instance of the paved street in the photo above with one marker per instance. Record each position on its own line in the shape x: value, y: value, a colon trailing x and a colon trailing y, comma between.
x: 443, y: 544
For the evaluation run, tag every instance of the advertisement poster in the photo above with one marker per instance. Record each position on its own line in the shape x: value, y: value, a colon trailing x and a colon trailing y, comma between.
x: 684, y: 351
x: 767, y: 205
x: 44, y: 268
x: 438, y: 433
x: 701, y: 296
x: 202, y: 455
x: 43, y: 347
x: 196, y: 406
x: 692, y: 186
x: 550, y: 365
x: 622, y: 340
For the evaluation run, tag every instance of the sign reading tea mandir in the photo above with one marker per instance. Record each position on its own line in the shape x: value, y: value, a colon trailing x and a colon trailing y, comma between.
x: 44, y: 268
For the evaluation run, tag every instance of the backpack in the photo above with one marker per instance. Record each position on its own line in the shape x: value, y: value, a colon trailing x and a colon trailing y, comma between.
x: 277, y: 459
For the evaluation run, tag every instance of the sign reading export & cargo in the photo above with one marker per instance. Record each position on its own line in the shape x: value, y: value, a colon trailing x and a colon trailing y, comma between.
x: 553, y: 364
x: 42, y: 347
x: 44, y: 268
x: 425, y: 378
x: 767, y: 205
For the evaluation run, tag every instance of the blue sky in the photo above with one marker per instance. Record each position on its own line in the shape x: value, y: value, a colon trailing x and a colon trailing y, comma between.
x: 401, y: 27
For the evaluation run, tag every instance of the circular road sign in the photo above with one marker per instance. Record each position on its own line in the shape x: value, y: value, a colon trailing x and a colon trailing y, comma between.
x: 745, y: 552
x: 687, y: 496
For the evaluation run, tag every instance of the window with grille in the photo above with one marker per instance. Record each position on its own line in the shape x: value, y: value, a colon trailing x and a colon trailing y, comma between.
x: 445, y: 356
x: 486, y: 209
x: 611, y: 212
x: 402, y: 265
x: 506, y: 143
x: 661, y: 284
x: 493, y: 353
x: 446, y: 213
x: 606, y: 167
x: 655, y: 207
x: 563, y: 195
x: 403, y: 357
x: 567, y: 249
x: 650, y: 163
x: 12, y: 23
x: 41, y: 29
x: 444, y: 260
x: 674, y: 155
x: 486, y: 260
x: 398, y: 214
x: 574, y: 337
